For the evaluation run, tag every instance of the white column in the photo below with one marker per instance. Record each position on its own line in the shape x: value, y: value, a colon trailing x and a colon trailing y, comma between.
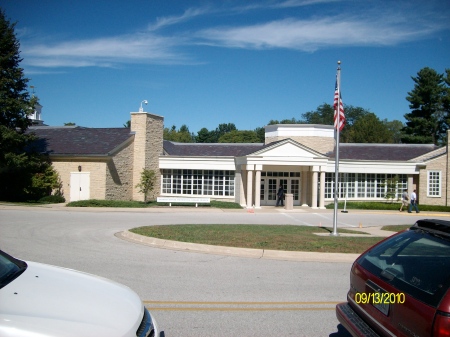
x: 322, y: 190
x: 304, y: 176
x: 249, y: 186
x: 243, y: 200
x: 314, y: 187
x: 258, y: 188
x: 410, y: 183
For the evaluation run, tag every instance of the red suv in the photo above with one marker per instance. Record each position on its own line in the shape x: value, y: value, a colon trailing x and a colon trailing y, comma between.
x: 400, y: 286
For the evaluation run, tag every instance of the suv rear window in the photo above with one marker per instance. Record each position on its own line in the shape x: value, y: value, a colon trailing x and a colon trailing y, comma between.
x: 415, y: 262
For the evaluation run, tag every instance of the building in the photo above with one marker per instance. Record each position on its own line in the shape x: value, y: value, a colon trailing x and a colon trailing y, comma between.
x: 106, y: 163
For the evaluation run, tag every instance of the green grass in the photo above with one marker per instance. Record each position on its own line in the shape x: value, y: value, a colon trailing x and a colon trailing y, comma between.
x: 393, y: 206
x: 395, y: 228
x: 273, y: 237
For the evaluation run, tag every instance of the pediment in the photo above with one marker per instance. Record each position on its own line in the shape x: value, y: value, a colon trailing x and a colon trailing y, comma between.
x: 287, y: 148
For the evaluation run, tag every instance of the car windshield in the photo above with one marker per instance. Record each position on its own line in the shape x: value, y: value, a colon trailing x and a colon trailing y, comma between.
x: 10, y: 268
x: 415, y: 262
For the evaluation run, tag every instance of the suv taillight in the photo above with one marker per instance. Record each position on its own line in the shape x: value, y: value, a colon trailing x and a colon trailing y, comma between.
x: 441, y: 326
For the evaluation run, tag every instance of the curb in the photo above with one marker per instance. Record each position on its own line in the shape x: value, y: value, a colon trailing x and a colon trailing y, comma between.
x: 239, y: 252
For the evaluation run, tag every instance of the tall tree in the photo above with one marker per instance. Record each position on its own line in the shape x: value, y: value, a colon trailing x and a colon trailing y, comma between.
x: 395, y: 127
x: 369, y: 129
x: 15, y: 103
x: 428, y: 121
x: 323, y: 115
x: 205, y: 136
x: 20, y: 164
x: 182, y: 135
x: 239, y: 136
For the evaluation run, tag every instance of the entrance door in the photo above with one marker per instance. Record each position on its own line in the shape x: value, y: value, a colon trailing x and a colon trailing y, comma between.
x: 79, y: 186
x: 269, y: 189
x: 270, y: 185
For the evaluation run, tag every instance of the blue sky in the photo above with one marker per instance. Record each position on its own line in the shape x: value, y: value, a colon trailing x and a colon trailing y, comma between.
x: 202, y: 63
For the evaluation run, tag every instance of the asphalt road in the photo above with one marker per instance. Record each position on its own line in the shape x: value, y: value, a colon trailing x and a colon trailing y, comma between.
x: 193, y: 294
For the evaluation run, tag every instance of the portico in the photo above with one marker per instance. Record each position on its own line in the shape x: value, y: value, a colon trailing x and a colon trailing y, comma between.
x: 296, y: 167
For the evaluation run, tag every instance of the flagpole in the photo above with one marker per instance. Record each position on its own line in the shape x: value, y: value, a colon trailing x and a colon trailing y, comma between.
x: 336, y: 159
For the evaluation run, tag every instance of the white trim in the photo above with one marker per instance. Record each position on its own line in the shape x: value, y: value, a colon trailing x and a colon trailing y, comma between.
x: 197, y: 163
x: 439, y: 195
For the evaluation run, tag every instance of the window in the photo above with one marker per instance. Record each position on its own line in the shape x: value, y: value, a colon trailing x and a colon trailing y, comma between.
x: 365, y: 186
x: 197, y: 182
x: 415, y: 263
x: 434, y: 184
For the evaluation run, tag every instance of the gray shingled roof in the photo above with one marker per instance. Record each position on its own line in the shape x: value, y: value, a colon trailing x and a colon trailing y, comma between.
x: 210, y: 149
x: 101, y: 141
x: 394, y: 152
x: 79, y: 140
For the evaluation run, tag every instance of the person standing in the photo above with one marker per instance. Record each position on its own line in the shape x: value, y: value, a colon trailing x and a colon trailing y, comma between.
x: 405, y: 199
x: 280, y: 196
x: 413, y: 202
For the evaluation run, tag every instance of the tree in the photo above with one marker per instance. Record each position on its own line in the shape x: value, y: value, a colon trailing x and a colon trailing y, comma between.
x: 429, y: 117
x: 182, y: 135
x: 147, y: 183
x: 205, y: 136
x: 239, y: 136
x: 369, y: 129
x: 323, y: 115
x: 391, y: 185
x: 395, y: 127
x: 19, y: 160
x: 261, y: 133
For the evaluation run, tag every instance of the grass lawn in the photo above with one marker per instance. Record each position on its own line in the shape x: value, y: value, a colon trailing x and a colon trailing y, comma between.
x: 273, y: 237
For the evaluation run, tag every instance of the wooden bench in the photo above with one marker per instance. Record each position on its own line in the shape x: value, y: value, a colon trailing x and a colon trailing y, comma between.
x: 171, y: 200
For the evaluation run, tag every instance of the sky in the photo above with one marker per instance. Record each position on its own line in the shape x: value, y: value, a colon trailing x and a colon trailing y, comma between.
x: 202, y: 63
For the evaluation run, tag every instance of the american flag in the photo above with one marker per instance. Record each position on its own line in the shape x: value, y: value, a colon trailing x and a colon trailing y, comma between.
x: 338, y: 97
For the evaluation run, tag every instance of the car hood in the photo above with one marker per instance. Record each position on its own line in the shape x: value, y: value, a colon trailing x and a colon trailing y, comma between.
x: 52, y: 301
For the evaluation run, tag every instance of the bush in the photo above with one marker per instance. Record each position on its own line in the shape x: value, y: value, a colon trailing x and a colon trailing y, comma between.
x: 392, y: 206
x: 52, y: 199
x: 107, y: 203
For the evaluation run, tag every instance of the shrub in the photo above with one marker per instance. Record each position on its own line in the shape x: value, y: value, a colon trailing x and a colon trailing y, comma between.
x: 52, y: 199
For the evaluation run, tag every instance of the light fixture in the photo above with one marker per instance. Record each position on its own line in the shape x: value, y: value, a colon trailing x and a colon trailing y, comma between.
x: 79, y: 168
x: 145, y: 102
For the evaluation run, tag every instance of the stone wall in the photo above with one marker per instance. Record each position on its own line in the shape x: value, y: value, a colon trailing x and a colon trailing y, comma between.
x: 438, y: 164
x: 97, y: 175
x: 148, y: 146
x: 119, y: 175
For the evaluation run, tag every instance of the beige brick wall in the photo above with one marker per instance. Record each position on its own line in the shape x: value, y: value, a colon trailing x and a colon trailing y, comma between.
x: 119, y: 175
x: 320, y: 144
x: 438, y: 164
x: 97, y: 175
x: 148, y: 146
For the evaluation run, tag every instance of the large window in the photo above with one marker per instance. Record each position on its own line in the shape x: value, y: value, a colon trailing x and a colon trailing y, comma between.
x: 365, y: 186
x: 198, y: 182
x: 434, y: 184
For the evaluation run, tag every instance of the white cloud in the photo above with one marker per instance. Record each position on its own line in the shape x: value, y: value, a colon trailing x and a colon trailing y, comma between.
x: 379, y: 27
x: 312, y: 34
x: 105, y: 52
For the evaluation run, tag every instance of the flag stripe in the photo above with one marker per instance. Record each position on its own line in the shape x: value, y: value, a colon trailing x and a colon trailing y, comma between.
x: 338, y: 97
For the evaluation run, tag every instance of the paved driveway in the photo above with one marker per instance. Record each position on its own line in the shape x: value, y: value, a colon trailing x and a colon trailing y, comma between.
x: 194, y: 294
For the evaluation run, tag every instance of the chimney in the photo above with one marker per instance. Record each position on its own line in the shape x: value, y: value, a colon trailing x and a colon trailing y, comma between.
x: 148, y: 146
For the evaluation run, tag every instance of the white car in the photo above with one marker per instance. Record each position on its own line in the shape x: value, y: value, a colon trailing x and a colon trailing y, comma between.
x: 38, y: 300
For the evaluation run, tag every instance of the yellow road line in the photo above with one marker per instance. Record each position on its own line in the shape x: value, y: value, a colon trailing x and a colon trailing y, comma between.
x: 238, y: 306
x: 239, y: 303
x: 234, y: 309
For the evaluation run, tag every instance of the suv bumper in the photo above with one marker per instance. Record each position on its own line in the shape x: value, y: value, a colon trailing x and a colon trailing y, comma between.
x: 352, y: 322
